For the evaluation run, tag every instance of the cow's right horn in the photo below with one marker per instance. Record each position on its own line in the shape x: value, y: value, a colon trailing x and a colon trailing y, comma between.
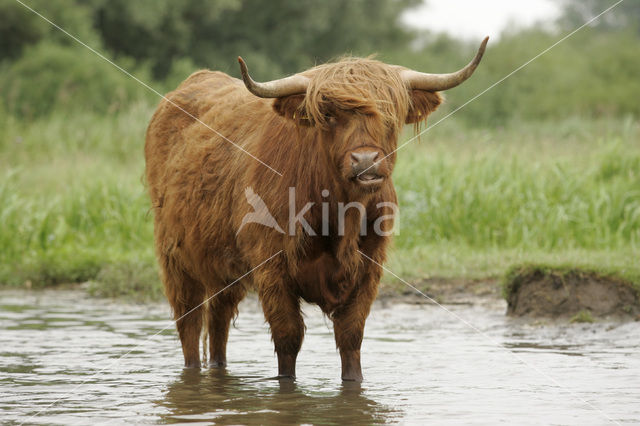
x: 293, y: 85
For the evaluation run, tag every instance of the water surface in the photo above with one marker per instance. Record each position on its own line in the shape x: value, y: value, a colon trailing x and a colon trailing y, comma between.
x: 61, y: 362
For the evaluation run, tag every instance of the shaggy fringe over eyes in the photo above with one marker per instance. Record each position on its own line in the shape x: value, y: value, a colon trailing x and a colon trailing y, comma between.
x: 363, y: 85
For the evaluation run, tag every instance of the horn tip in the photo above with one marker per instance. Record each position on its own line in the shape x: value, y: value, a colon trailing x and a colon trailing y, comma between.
x: 484, y: 42
x: 244, y: 70
x: 243, y: 65
x: 480, y: 53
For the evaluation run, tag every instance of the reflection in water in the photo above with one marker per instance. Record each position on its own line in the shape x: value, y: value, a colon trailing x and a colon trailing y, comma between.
x: 216, y: 396
x: 61, y: 362
x: 571, y: 350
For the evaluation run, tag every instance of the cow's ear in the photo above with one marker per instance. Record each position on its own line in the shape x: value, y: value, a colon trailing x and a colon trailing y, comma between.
x: 292, y: 107
x: 423, y: 103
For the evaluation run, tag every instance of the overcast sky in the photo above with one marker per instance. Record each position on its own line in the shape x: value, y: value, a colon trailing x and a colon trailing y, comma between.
x: 478, y: 18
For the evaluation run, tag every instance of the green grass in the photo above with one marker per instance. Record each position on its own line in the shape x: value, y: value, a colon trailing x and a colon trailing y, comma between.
x: 473, y: 201
x: 582, y: 317
x: 72, y: 204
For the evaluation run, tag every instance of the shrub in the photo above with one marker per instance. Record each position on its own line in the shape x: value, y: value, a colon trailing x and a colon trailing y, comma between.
x: 52, y: 77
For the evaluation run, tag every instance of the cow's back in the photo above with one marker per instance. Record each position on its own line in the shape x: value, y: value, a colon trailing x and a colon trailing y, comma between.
x: 194, y: 166
x: 178, y: 111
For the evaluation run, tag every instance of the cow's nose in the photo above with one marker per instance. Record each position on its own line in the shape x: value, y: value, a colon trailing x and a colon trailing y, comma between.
x: 364, y: 160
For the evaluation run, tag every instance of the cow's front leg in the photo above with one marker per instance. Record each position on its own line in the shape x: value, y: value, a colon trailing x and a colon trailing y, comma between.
x: 348, y: 327
x: 282, y: 311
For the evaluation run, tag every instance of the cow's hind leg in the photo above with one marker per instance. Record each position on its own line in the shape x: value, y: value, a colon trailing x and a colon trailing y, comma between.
x: 222, y: 308
x: 282, y: 312
x: 186, y: 296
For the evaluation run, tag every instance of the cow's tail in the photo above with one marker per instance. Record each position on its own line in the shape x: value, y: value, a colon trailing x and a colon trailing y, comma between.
x: 204, y: 333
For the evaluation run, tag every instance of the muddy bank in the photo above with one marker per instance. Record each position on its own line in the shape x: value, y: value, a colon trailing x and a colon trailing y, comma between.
x: 448, y: 291
x: 528, y: 292
x: 581, y: 296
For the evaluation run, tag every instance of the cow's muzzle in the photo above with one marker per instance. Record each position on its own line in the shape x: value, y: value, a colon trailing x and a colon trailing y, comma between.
x: 365, y: 168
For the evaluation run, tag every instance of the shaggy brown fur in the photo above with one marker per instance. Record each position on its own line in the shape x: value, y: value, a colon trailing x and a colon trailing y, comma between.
x: 197, y: 184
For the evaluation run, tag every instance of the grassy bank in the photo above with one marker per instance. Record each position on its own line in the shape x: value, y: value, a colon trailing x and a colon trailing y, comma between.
x: 72, y: 203
x: 473, y: 201
x: 518, y: 274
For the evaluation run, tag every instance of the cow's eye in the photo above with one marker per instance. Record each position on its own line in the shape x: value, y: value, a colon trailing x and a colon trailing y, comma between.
x: 330, y: 119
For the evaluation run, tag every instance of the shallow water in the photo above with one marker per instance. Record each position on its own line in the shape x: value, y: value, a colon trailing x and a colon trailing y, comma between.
x: 60, y: 363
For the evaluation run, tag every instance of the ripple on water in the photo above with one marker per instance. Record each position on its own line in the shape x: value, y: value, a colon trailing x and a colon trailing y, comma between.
x: 61, y: 352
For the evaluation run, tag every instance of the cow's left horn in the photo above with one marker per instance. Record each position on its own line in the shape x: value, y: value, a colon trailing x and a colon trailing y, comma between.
x: 436, y: 82
x: 292, y: 85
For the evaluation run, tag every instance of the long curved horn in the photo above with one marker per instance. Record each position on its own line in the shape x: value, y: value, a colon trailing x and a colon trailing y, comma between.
x: 292, y: 85
x: 437, y: 82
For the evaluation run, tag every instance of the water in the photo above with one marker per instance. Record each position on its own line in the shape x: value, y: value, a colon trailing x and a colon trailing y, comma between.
x: 60, y: 364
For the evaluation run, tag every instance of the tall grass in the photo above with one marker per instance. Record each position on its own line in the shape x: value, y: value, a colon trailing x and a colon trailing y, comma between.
x: 474, y: 201
x: 72, y: 202
x: 73, y: 206
x: 498, y: 189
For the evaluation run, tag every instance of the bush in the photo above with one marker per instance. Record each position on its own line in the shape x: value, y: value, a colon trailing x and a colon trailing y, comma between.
x: 20, y: 27
x: 591, y: 74
x: 52, y: 77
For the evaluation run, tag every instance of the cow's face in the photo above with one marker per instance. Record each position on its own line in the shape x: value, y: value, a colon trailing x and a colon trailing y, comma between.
x: 357, y: 110
x: 361, y: 147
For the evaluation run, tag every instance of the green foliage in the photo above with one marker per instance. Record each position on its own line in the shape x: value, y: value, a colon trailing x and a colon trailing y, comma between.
x: 163, y: 30
x: 625, y: 15
x: 72, y: 210
x: 296, y: 35
x: 20, y: 27
x: 497, y: 190
x: 473, y: 201
x: 553, y: 179
x: 582, y: 317
x: 135, y: 279
x: 592, y: 74
x: 279, y: 36
x: 70, y: 236
x: 15, y: 30
x: 52, y: 77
